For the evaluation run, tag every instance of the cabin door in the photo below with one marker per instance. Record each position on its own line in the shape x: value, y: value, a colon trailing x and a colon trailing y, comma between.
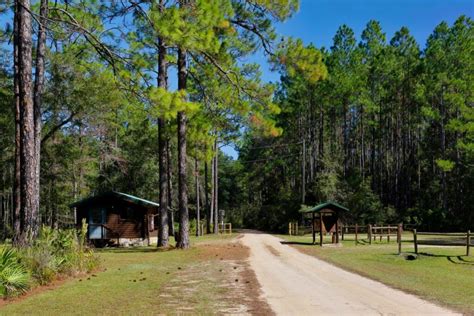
x: 97, y: 219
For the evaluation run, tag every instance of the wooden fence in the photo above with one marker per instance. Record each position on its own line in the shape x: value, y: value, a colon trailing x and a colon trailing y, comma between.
x: 373, y: 232
x: 294, y: 229
x: 443, y: 239
x: 384, y: 231
x: 225, y: 228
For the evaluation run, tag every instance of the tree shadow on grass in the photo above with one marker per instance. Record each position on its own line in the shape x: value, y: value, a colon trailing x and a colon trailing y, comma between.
x: 453, y: 259
x: 133, y: 250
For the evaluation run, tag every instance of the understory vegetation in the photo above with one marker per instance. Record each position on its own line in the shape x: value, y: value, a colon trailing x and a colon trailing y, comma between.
x: 55, y: 254
x: 147, y: 280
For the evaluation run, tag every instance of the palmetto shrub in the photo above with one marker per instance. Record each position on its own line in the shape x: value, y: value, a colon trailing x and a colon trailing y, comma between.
x: 14, y: 276
x: 59, y: 252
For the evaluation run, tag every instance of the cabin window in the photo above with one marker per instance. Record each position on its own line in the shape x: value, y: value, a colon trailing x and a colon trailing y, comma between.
x: 127, y: 214
x: 97, y: 216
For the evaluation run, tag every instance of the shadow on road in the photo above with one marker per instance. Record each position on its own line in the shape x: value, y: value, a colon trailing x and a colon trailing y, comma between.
x: 297, y: 243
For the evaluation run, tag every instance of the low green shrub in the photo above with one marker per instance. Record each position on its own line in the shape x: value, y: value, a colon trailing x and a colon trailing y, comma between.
x: 59, y: 252
x: 14, y: 276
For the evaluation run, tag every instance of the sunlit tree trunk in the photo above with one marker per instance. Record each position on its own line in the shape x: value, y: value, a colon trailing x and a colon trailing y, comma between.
x: 38, y: 94
x: 183, y: 241
x: 29, y: 199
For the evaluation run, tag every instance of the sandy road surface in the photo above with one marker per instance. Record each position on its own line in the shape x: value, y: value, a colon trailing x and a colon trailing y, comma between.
x: 297, y: 284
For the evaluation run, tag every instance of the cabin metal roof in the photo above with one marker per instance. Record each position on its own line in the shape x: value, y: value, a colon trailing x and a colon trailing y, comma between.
x: 327, y: 205
x: 119, y: 195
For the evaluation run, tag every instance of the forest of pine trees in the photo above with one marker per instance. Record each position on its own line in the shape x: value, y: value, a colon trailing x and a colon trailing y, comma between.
x: 140, y: 97
x: 389, y: 133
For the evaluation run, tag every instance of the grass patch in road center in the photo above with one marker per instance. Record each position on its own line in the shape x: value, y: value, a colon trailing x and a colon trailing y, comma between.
x: 440, y: 274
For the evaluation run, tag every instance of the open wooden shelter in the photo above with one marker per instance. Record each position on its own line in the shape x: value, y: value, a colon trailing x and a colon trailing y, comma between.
x: 329, y: 219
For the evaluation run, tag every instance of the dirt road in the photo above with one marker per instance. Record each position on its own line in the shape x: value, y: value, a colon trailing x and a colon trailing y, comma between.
x: 297, y: 284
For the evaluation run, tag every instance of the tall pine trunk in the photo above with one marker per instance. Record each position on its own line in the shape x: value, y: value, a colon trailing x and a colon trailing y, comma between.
x: 216, y: 189
x: 198, y: 210
x: 183, y: 240
x: 37, y: 101
x: 213, y: 193
x: 170, y: 191
x: 163, y: 228
x: 29, y: 201
x: 206, y: 197
x: 17, y: 218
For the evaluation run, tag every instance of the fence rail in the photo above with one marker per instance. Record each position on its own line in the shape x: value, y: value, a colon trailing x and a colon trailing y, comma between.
x: 373, y: 231
x: 225, y: 228
x: 444, y: 239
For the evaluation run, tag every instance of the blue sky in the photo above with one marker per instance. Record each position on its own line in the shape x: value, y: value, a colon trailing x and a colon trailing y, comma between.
x: 317, y: 22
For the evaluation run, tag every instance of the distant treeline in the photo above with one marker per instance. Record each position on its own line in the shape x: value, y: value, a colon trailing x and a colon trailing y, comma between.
x: 389, y: 133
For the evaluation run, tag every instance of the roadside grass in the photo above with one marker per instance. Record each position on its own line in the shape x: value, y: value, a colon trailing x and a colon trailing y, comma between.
x: 443, y: 275
x: 136, y: 281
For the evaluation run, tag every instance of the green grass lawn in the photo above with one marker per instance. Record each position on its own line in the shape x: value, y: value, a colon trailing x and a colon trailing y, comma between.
x: 136, y: 281
x: 442, y: 275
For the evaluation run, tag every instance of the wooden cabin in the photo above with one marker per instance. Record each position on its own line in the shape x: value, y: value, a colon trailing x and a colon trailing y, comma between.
x: 327, y: 219
x: 117, y: 218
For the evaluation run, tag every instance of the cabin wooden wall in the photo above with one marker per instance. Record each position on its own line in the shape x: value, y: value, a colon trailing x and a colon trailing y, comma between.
x: 132, y: 224
x: 125, y: 228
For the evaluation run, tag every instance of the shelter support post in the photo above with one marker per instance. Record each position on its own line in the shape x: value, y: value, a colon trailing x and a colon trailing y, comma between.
x: 415, y: 241
x: 399, y: 238
x: 356, y: 234
x: 468, y: 242
x: 369, y: 233
x: 312, y: 228
x: 337, y: 229
x: 321, y: 229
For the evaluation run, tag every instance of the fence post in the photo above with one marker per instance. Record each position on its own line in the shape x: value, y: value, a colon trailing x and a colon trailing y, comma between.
x: 297, y: 232
x: 369, y: 233
x: 399, y: 238
x: 415, y: 241
x: 289, y: 228
x: 388, y: 235
x: 356, y: 235
x: 468, y: 242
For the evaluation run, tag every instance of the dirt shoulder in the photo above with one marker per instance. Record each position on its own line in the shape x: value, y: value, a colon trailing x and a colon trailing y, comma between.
x: 223, y: 270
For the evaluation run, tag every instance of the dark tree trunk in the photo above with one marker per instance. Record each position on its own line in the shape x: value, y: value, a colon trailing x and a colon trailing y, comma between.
x: 29, y: 199
x: 170, y: 190
x: 17, y: 218
x: 206, y: 197
x: 216, y: 189
x: 183, y: 241
x: 163, y: 228
x: 198, y: 210
x: 213, y: 192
